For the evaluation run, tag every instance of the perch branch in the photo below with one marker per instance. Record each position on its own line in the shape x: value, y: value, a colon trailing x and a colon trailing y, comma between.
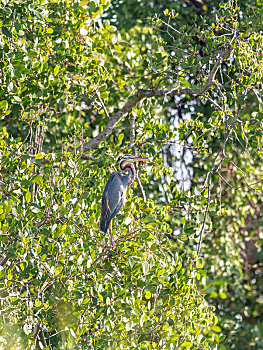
x: 142, y: 93
x: 132, y: 146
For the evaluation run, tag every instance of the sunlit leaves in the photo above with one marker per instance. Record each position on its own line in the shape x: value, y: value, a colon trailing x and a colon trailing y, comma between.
x: 70, y: 72
x: 56, y: 70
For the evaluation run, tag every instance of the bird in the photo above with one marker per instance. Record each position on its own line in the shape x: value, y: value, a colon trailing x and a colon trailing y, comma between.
x: 114, y: 194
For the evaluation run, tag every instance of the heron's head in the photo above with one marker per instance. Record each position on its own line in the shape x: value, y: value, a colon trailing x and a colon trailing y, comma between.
x: 128, y: 158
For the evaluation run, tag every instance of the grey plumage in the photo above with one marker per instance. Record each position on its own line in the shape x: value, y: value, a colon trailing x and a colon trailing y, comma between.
x: 113, y: 198
x: 114, y: 194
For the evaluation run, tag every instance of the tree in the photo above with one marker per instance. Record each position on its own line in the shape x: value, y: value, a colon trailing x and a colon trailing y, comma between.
x: 69, y: 79
x: 232, y: 253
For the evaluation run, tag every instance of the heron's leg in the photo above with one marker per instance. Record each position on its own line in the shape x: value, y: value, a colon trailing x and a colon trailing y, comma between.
x: 110, y: 230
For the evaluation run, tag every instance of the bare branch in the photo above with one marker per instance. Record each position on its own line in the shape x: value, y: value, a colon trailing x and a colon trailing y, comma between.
x: 47, y: 161
x: 208, y: 182
x: 88, y: 157
x: 214, y: 103
x: 132, y: 145
x: 140, y: 187
x: 142, y: 93
x: 132, y: 130
x: 102, y: 104
x: 4, y: 259
x: 111, y: 124
x: 37, y: 328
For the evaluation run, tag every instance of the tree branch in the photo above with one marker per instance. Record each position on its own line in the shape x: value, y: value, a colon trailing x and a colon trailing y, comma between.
x: 132, y: 146
x: 102, y: 104
x: 88, y: 157
x: 111, y: 124
x: 142, y: 93
x: 132, y: 131
x: 4, y: 259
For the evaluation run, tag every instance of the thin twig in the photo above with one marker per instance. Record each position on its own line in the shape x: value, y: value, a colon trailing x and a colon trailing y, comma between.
x: 132, y: 131
x: 132, y: 146
x: 88, y: 157
x: 208, y: 182
x: 102, y: 104
x: 4, y: 259
x: 36, y: 328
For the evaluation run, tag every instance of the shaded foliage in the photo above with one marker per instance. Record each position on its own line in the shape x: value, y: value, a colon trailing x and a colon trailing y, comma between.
x: 64, y: 71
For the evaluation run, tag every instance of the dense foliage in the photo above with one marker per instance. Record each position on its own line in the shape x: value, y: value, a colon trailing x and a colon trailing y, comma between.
x: 68, y: 69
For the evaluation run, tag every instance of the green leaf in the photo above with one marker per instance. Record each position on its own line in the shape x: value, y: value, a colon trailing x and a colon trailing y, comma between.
x: 112, y: 29
x: 6, y: 32
x: 3, y: 104
x: 216, y: 329
x: 117, y: 49
x: 83, y: 3
x: 38, y: 179
x: 145, y: 267
x: 38, y: 303
x: 28, y: 197
x: 213, y: 295
x: 130, y: 261
x: 17, y: 26
x: 104, y: 94
x: 92, y: 6
x: 223, y: 295
x: 199, y: 266
x: 40, y: 155
x: 186, y: 345
x: 56, y: 70
x: 148, y: 295
x: 149, y: 218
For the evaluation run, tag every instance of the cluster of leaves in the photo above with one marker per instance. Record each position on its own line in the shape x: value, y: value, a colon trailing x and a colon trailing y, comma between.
x: 64, y: 73
x: 225, y: 166
x: 57, y: 268
x: 61, y: 284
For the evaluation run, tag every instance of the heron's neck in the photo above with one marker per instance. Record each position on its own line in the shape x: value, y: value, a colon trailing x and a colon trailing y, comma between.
x: 131, y: 170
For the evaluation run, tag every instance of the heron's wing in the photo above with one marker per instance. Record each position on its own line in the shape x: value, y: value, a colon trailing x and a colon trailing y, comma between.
x: 112, y: 200
x: 118, y: 207
x: 105, y: 213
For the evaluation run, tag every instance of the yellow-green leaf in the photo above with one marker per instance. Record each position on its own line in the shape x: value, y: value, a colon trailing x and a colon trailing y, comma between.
x: 3, y: 104
x: 148, y: 295
x: 117, y: 49
x: 28, y: 197
x: 56, y: 70
x: 223, y: 295
x: 186, y: 344
x: 149, y: 218
x: 199, y: 266
x: 216, y: 329
x: 38, y: 303
x: 40, y: 155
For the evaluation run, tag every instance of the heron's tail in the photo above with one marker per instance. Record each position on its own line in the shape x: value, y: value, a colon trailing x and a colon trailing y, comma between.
x: 104, y: 225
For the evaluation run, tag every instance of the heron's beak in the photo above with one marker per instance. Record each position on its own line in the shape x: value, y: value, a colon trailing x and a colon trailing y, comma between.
x: 139, y: 159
